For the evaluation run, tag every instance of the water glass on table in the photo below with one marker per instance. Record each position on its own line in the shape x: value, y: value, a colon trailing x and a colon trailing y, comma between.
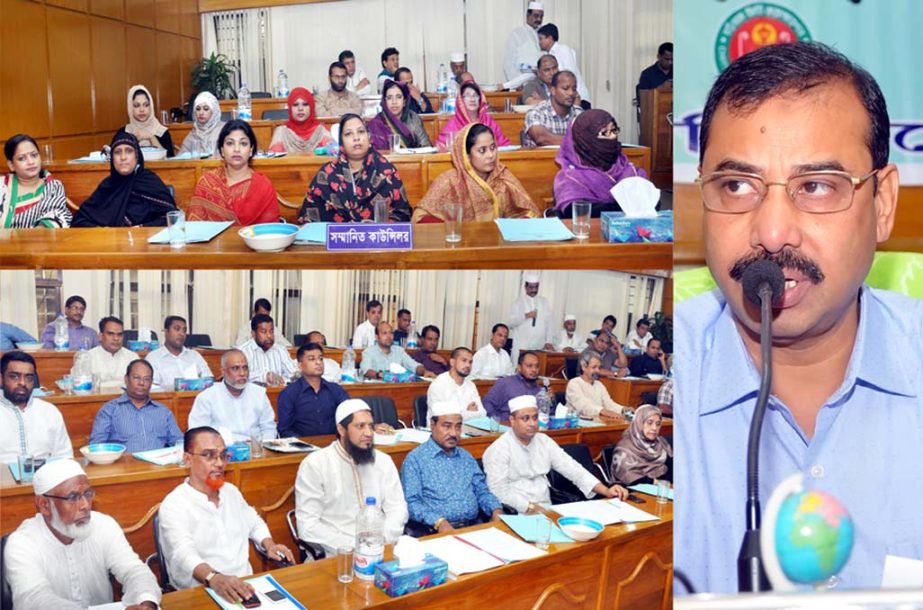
x: 663, y: 492
x: 311, y: 215
x: 542, y: 532
x: 176, y: 227
x: 396, y: 143
x: 345, y: 564
x: 256, y: 443
x: 48, y: 150
x: 454, y: 213
x: 507, y: 105
x: 28, y: 464
x: 581, y: 211
x: 382, y: 211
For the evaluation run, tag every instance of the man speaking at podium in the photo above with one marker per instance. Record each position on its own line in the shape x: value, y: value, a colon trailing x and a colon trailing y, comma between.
x: 794, y: 168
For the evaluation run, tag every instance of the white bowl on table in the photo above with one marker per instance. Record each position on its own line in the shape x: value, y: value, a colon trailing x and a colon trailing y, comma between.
x: 521, y: 108
x: 489, y: 88
x: 103, y: 453
x: 655, y: 377
x: 28, y: 346
x: 580, y: 529
x: 153, y: 154
x: 270, y: 236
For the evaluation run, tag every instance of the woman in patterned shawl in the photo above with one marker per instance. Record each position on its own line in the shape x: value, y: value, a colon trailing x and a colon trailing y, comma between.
x: 29, y: 196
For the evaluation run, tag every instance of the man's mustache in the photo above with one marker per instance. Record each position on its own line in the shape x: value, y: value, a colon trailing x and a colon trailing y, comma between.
x: 785, y: 259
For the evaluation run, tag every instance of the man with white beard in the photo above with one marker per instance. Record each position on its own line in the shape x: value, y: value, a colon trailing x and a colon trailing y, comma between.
x: 62, y: 557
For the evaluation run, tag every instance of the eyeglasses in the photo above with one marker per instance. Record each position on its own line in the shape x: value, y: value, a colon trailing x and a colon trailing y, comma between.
x: 74, y: 497
x: 823, y: 192
x: 138, y: 378
x: 211, y: 455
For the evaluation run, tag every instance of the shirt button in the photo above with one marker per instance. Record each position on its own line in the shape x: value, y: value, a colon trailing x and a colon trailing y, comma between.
x: 817, y: 471
x: 833, y: 581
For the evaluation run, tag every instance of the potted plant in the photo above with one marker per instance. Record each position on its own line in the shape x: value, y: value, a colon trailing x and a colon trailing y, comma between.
x: 213, y: 73
x: 662, y: 328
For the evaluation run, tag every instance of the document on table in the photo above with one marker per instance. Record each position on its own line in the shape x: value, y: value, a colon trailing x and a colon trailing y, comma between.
x: 526, y: 527
x: 500, y: 544
x: 402, y: 435
x: 648, y: 488
x: 312, y: 233
x: 483, y: 423
x: 197, y: 231
x: 261, y: 584
x: 533, y: 229
x: 606, y: 512
x: 461, y: 556
x: 162, y: 457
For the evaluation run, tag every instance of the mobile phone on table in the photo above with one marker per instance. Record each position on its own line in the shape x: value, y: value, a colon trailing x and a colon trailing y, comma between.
x: 252, y: 602
x: 636, y: 499
x: 274, y: 595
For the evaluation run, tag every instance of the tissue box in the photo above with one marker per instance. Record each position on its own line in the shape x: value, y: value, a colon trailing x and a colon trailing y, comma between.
x: 560, y: 423
x: 618, y: 229
x: 194, y: 385
x: 407, y: 377
x: 239, y: 452
x: 390, y: 578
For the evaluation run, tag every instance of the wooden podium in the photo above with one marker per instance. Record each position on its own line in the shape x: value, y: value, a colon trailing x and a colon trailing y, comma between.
x: 657, y: 132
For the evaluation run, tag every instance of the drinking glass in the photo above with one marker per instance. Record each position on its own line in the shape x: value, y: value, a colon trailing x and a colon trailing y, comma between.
x: 345, y: 564
x: 454, y: 213
x: 542, y: 532
x: 176, y: 226
x: 581, y: 211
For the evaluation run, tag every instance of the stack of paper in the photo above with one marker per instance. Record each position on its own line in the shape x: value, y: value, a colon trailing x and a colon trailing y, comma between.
x: 533, y: 229
x: 197, y: 231
x: 479, y: 550
x: 162, y: 457
x: 483, y: 423
x: 606, y: 512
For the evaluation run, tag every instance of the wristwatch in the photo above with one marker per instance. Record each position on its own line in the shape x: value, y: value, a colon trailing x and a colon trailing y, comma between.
x: 208, y: 578
x: 438, y: 522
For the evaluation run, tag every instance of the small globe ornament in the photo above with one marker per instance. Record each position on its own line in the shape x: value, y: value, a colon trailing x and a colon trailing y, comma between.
x: 806, y: 537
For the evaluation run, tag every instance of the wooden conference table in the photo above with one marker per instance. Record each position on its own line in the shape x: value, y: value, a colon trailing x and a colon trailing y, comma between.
x: 481, y: 247
x: 629, y: 566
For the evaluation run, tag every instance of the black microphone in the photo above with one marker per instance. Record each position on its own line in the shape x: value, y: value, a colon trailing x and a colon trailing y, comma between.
x: 763, y: 283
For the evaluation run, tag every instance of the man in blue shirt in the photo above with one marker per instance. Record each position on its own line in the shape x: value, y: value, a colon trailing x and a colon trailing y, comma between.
x: 133, y: 419
x: 652, y: 360
x: 496, y: 402
x: 443, y: 485
x: 10, y: 335
x: 307, y: 406
x: 844, y: 412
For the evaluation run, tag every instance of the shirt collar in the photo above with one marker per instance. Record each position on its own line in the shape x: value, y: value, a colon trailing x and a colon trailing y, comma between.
x: 6, y: 403
x: 727, y: 359
x: 435, y: 449
x: 124, y: 398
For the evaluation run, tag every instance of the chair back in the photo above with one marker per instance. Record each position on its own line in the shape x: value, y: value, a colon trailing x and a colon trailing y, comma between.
x: 607, y: 455
x: 161, y: 559
x: 197, y: 340
x: 571, y: 367
x: 508, y: 346
x: 6, y: 594
x: 562, y: 490
x: 300, y: 340
x: 275, y: 114
x: 648, y: 398
x: 308, y: 551
x: 131, y: 334
x: 560, y: 398
x: 383, y: 410
x: 420, y: 406
x: 260, y: 95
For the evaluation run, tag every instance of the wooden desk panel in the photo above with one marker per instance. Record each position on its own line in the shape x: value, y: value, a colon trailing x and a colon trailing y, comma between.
x: 628, y: 391
x: 482, y: 247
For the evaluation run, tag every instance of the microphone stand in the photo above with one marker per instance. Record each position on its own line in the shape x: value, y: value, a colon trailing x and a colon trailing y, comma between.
x: 751, y: 574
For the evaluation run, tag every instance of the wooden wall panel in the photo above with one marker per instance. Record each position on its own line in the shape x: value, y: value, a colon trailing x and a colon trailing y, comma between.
x: 114, y: 9
x: 24, y: 95
x: 192, y: 52
x: 74, y: 5
x: 140, y: 12
x: 169, y: 49
x: 166, y: 15
x: 71, y: 147
x: 142, y: 67
x: 109, y: 74
x: 189, y: 20
x: 71, y: 77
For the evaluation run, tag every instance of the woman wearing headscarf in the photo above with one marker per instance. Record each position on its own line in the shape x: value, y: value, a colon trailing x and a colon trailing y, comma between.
x: 234, y: 191
x: 206, y: 126
x: 470, y: 107
x: 29, y: 196
x: 130, y: 196
x: 143, y: 124
x: 346, y: 190
x: 592, y: 162
x: 484, y: 186
x: 642, y: 455
x: 396, y: 117
x: 303, y: 132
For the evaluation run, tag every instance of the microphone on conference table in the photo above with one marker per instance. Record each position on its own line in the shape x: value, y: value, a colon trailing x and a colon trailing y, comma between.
x: 763, y: 283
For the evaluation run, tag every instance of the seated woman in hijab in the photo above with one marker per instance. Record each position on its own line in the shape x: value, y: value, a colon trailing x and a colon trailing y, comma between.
x: 29, y: 196
x: 143, y: 124
x: 591, y: 163
x: 484, y: 186
x: 130, y: 196
x: 303, y: 132
x: 642, y: 455
x: 470, y: 107
x: 396, y: 117
x: 234, y: 191
x: 347, y: 189
x: 206, y: 126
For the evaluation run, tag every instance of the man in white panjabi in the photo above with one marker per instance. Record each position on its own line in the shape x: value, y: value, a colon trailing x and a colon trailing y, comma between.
x: 588, y: 395
x: 364, y: 335
x: 567, y: 339
x: 522, y: 43
x: 62, y: 557
x: 173, y: 359
x: 517, y: 464
x: 205, y: 523
x: 455, y: 387
x: 28, y: 425
x: 269, y: 362
x: 530, y: 318
x: 333, y: 483
x: 492, y: 361
x: 109, y: 359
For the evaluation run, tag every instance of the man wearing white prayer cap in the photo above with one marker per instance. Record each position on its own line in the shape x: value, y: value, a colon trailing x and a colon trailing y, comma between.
x: 62, y: 557
x: 530, y: 318
x: 517, y: 464
x: 335, y: 482
x: 567, y: 339
x: 444, y: 486
x: 458, y: 65
x: 522, y: 50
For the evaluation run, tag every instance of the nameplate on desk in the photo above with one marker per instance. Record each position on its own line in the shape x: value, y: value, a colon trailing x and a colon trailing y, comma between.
x: 365, y: 236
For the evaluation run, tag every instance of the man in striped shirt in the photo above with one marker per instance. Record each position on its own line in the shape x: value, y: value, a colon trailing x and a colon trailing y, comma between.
x: 269, y: 363
x: 133, y: 419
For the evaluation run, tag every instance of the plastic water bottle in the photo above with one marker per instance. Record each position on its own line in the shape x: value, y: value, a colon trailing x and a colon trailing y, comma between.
x: 451, y: 90
x: 545, y: 402
x: 244, y: 108
x: 441, y: 78
x: 349, y: 365
x: 61, y: 338
x: 413, y: 338
x: 282, y: 84
x: 370, y: 540
x: 82, y: 373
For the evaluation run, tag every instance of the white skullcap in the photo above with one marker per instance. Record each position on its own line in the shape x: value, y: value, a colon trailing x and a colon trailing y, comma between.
x: 530, y: 277
x: 348, y: 407
x: 570, y: 317
x: 522, y: 402
x: 53, y: 473
x: 457, y: 57
x: 536, y: 6
x: 444, y: 408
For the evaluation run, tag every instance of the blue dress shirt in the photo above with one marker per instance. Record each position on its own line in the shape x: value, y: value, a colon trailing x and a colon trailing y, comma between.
x: 10, y: 334
x: 496, y: 402
x: 439, y: 484
x: 150, y: 427
x: 304, y: 412
x: 867, y: 448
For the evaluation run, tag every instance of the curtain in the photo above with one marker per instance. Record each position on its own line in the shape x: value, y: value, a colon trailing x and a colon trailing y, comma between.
x: 15, y: 305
